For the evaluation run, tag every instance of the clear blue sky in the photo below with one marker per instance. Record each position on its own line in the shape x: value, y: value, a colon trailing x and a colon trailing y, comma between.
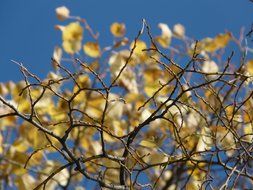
x: 27, y: 31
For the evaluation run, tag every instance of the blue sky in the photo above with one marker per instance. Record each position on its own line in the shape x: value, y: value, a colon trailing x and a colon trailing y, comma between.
x: 27, y: 31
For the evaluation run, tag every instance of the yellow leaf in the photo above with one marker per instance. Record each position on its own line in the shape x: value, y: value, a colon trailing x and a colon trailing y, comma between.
x: 95, y: 105
x: 1, y: 143
x: 151, y: 88
x: 115, y: 106
x: 193, y: 185
x: 62, y: 177
x: 165, y: 30
x: 140, y: 45
x: 32, y: 136
x: 9, y: 121
x: 127, y: 78
x: 208, y: 44
x: 92, y: 49
x: 224, y: 138
x: 212, y: 45
x: 153, y: 78
x: 72, y: 35
x: 62, y: 13
x: 148, y: 143
x: 222, y: 40
x: 118, y: 29
x: 111, y: 175
x: 72, y: 32
x: 20, y: 145
x: 164, y: 39
x: 134, y: 98
x: 25, y: 182
x: 248, y: 132
x: 83, y: 81
x: 115, y: 128
x: 128, y: 81
x: 153, y: 141
x: 155, y: 157
x: 249, y: 66
x: 179, y: 30
x: 72, y: 47
x: 96, y: 147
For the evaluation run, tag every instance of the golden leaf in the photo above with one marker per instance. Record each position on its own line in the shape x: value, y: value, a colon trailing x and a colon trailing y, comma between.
x: 248, y: 132
x: 208, y: 44
x: 72, y: 47
x: 140, y: 45
x: 163, y: 41
x: 92, y: 49
x: 153, y: 77
x: 222, y: 40
x: 72, y: 35
x: 1, y: 144
x: 118, y: 29
x: 72, y: 32
x: 249, y: 66
x: 148, y: 144
x: 25, y: 182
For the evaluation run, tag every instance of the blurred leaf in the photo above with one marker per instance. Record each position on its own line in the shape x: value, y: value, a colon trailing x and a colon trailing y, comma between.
x: 164, y: 39
x: 62, y: 13
x: 25, y: 182
x: 92, y: 49
x: 72, y: 35
x: 249, y: 66
x: 179, y: 30
x: 118, y: 29
x: 57, y: 56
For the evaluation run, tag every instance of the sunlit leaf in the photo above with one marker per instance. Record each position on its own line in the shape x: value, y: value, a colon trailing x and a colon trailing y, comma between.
x: 139, y: 47
x: 71, y: 47
x: 205, y: 141
x: 127, y: 78
x: 57, y: 56
x: 62, y: 13
x: 72, y: 35
x: 148, y: 144
x: 1, y: 143
x: 248, y: 132
x: 179, y: 30
x: 249, y: 65
x: 222, y: 40
x: 210, y: 67
x: 92, y: 49
x: 165, y: 38
x: 62, y: 177
x: 25, y: 182
x: 72, y: 32
x: 3, y: 89
x: 118, y: 29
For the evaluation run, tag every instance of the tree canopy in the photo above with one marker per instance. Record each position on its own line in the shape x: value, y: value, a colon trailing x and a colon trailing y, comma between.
x: 159, y: 111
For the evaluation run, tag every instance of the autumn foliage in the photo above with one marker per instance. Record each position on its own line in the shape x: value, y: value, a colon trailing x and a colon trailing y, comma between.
x: 160, y: 111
